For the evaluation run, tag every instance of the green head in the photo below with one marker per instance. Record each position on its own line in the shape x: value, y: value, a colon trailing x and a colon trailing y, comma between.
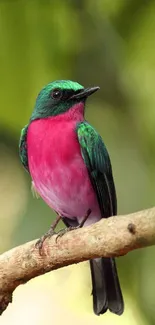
x: 58, y: 97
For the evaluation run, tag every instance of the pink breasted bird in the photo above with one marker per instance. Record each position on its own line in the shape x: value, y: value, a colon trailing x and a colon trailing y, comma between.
x: 71, y: 170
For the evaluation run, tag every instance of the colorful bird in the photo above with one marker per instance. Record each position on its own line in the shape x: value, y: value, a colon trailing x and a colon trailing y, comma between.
x: 71, y: 170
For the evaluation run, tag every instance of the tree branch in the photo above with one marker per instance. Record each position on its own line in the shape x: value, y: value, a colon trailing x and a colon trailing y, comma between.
x: 110, y: 237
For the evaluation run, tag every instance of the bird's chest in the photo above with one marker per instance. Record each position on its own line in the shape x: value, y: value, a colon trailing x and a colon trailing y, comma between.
x: 56, y: 165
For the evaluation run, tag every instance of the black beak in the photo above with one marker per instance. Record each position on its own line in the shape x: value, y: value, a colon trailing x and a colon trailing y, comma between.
x: 84, y: 93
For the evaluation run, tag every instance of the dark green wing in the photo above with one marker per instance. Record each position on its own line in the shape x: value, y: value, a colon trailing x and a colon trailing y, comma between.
x: 23, y: 148
x: 98, y: 164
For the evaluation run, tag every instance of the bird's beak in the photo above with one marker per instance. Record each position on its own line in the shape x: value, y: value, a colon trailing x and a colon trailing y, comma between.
x: 84, y: 93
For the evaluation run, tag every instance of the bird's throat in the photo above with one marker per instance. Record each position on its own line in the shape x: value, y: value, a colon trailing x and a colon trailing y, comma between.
x: 75, y: 113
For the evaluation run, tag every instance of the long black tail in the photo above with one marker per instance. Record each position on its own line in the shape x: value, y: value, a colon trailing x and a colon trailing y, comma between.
x: 106, y: 289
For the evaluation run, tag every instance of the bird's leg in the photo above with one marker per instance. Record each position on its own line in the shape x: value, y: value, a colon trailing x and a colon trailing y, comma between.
x: 49, y: 233
x: 64, y: 231
x: 84, y: 219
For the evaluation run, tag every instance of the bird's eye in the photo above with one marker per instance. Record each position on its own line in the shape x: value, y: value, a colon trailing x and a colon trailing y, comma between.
x: 56, y: 93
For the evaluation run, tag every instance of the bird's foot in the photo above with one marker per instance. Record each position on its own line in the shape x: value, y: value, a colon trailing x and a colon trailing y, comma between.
x: 63, y: 231
x: 48, y: 234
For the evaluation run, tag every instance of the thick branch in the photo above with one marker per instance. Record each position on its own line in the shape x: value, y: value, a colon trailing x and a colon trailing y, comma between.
x: 109, y: 238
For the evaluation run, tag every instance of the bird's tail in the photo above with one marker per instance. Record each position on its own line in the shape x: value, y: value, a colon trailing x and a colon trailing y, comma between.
x: 106, y: 289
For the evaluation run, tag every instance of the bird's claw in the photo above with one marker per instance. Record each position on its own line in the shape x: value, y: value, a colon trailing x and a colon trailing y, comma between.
x: 65, y: 230
x: 51, y: 232
x: 48, y: 234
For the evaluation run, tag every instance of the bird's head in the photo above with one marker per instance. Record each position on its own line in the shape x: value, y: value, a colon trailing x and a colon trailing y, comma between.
x: 58, y: 97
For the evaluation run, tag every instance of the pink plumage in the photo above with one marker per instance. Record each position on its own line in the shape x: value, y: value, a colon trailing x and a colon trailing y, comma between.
x: 57, y: 167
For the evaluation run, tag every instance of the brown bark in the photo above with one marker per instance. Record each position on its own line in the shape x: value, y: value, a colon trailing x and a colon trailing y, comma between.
x: 110, y: 237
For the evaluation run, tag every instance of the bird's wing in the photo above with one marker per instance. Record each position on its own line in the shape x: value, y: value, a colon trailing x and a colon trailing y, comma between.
x: 23, y: 148
x: 105, y: 283
x: 98, y: 163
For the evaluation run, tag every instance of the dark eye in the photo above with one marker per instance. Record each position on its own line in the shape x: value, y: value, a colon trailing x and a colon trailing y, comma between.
x: 56, y: 93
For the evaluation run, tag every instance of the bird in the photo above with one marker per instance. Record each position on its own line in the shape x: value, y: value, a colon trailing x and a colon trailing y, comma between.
x: 71, y: 171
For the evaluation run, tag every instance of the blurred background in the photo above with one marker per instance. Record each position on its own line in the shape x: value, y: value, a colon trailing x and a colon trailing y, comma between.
x: 107, y: 43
